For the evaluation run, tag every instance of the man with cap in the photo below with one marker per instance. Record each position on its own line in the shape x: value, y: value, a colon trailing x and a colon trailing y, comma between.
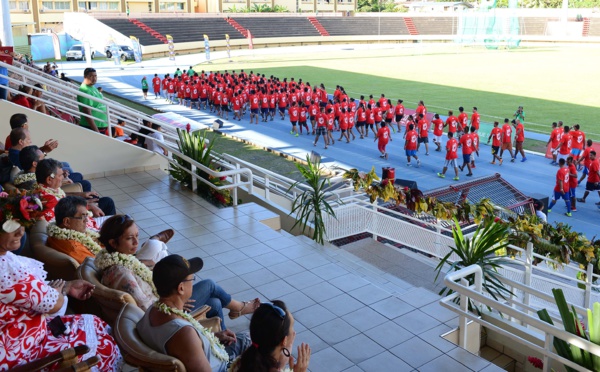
x: 168, y: 329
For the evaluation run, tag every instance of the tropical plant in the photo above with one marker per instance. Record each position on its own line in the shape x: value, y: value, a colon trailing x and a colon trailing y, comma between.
x: 490, y: 236
x: 235, y: 9
x: 196, y: 146
x: 571, y: 323
x: 312, y: 205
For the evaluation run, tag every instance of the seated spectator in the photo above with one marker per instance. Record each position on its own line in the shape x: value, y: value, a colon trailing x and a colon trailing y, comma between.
x: 35, y: 103
x: 118, y: 129
x: 96, y: 119
x: 69, y: 234
x: 29, y: 158
x: 49, y: 176
x: 63, y: 77
x: 272, y: 342
x: 168, y: 329
x: 122, y: 270
x: 133, y: 139
x: 19, y: 138
x: 20, y: 121
x: 156, y: 141
x: 144, y: 131
x: 21, y: 98
x: 29, y: 304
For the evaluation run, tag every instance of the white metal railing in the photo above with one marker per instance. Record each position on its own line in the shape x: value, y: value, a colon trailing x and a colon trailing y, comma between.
x: 518, y: 311
x: 63, y: 97
x: 357, y: 216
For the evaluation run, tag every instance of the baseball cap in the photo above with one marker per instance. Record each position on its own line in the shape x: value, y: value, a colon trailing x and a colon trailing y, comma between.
x: 172, y: 270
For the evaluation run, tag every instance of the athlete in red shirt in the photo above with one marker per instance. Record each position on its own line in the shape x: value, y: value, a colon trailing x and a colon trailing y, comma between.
x: 565, y: 144
x: 519, y: 139
x: 593, y: 182
x: 578, y: 141
x: 399, y: 113
x: 507, y: 140
x: 572, y: 183
x: 156, y: 86
x: 321, y: 120
x: 451, y: 156
x: 384, y: 136
x: 466, y: 142
x: 438, y: 130
x: 463, y: 120
x: 475, y: 139
x: 361, y: 120
x: 475, y: 119
x: 303, y: 118
x: 410, y: 145
x: 585, y: 159
x: 496, y: 137
x: 423, y: 127
x: 294, y: 113
x: 452, y: 123
x: 561, y: 189
x: 553, y: 141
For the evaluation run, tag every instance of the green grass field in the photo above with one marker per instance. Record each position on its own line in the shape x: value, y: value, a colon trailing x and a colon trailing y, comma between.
x: 552, y: 83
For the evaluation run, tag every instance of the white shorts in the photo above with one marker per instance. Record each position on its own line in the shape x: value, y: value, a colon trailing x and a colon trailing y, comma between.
x: 450, y: 163
x: 562, y: 156
x: 437, y: 139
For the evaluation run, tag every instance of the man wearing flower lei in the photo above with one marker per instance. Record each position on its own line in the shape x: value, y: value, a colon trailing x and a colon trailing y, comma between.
x: 49, y: 176
x: 32, y: 309
x: 168, y: 329
x: 69, y: 234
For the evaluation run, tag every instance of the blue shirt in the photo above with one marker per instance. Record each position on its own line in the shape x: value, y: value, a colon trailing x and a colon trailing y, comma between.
x: 13, y: 156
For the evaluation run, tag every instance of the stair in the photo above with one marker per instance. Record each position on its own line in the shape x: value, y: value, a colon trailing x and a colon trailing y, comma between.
x: 237, y: 26
x: 586, y: 27
x: 315, y: 22
x: 149, y: 30
x: 410, y: 26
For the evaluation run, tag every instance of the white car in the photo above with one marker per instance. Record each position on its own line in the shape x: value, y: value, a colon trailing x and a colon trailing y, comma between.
x: 77, y: 52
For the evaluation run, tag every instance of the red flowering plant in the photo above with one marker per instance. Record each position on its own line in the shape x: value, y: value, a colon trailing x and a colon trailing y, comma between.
x: 22, y: 208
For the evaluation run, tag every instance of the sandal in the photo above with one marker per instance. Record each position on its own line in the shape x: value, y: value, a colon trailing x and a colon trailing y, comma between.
x: 164, y: 236
x: 254, y: 304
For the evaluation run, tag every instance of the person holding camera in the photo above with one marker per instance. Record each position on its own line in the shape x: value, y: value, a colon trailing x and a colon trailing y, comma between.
x: 520, y: 114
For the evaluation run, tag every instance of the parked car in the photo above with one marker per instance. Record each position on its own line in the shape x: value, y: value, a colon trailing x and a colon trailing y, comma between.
x: 125, y: 52
x: 77, y: 52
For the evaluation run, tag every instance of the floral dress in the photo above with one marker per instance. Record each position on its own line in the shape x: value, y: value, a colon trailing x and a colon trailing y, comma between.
x: 25, y: 300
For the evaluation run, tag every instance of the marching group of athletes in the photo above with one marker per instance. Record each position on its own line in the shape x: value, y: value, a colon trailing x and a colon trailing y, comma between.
x: 312, y: 111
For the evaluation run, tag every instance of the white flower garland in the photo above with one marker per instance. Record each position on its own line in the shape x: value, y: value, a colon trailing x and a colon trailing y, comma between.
x: 105, y: 259
x: 88, y: 239
x: 58, y: 194
x: 24, y: 177
x: 217, y: 348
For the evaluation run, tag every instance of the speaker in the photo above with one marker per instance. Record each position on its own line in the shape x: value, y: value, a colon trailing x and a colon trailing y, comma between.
x: 217, y: 124
x: 406, y: 183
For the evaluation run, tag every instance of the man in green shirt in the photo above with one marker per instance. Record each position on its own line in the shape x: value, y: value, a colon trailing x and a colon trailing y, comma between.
x: 191, y: 72
x: 98, y: 121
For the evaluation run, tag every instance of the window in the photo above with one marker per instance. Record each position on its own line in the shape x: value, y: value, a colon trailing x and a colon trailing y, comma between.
x: 18, y: 5
x: 99, y: 5
x: 173, y: 7
x: 62, y: 5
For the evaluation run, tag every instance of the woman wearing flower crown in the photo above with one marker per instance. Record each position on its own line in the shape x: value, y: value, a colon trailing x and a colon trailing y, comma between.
x: 272, y: 333
x: 32, y: 309
x: 168, y: 329
x: 123, y: 271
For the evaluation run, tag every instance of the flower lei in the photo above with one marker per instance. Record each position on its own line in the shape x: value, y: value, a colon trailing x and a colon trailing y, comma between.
x: 58, y: 194
x: 23, y: 178
x: 88, y: 238
x: 105, y: 259
x: 217, y: 348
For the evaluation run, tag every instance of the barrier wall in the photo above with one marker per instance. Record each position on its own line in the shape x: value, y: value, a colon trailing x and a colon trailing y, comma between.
x: 90, y: 153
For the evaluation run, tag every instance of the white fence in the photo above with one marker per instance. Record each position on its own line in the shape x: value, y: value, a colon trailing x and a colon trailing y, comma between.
x: 517, y: 311
x: 356, y: 217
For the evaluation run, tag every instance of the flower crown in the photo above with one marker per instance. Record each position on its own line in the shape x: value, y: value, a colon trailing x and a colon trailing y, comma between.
x: 23, y: 208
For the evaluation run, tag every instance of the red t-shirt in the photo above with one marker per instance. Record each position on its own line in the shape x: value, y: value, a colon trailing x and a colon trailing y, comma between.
x: 22, y: 101
x: 294, y: 113
x: 572, y: 176
x: 321, y: 120
x: 562, y: 177
x: 411, y: 140
x: 303, y: 112
x: 475, y: 120
x: 496, y: 136
x: 593, y: 176
x: 451, y: 148
x: 520, y: 133
x: 555, y: 137
x: 566, y: 143
x: 423, y: 128
x: 463, y: 120
x: 452, y: 123
x: 399, y: 109
x: 506, y: 132
x: 438, y: 127
x: 585, y: 156
x: 383, y: 134
x: 156, y: 84
x: 578, y: 139
x: 467, y: 144
x: 475, y: 139
x: 378, y: 114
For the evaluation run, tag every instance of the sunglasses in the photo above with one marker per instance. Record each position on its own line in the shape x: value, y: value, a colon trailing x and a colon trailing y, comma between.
x: 279, y: 310
x: 190, y: 280
x: 123, y: 218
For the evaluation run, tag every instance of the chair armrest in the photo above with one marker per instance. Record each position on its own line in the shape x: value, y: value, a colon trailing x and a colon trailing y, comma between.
x: 57, y: 264
x: 200, y: 313
x: 73, y: 187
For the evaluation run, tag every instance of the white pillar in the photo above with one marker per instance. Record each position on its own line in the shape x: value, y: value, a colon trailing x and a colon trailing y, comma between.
x: 6, y: 34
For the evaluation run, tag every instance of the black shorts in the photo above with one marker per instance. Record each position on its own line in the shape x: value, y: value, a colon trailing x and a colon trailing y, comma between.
x: 369, y: 125
x: 264, y: 110
x: 282, y: 109
x: 360, y: 124
x: 313, y: 118
x: 254, y: 111
x: 225, y: 108
x: 592, y: 186
x: 388, y: 121
x: 294, y: 123
x: 194, y: 99
x: 321, y: 131
x: 203, y: 99
x: 423, y: 140
x: 271, y: 110
x: 495, y: 149
x: 322, y: 104
x: 145, y: 90
x: 303, y: 123
x: 399, y: 117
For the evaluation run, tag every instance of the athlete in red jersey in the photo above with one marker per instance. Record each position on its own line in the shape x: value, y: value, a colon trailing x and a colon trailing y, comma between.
x: 438, y: 130
x: 578, y: 141
x: 496, y: 137
x: 321, y: 120
x: 507, y: 140
x: 565, y: 144
x: 572, y: 183
x: 475, y: 119
x: 466, y: 142
x: 294, y: 113
x: 410, y: 145
x: 254, y: 105
x: 361, y: 120
x: 423, y: 128
x: 399, y: 113
x: 156, y: 86
x: 302, y: 118
x: 383, y: 136
x: 593, y: 183
x: 451, y: 156
x: 553, y: 141
x: 561, y: 189
x: 452, y: 123
x: 343, y: 122
x: 585, y: 159
x: 165, y: 84
x: 519, y: 139
x: 475, y: 139
x: 463, y: 121
x: 421, y: 109
x: 370, y: 121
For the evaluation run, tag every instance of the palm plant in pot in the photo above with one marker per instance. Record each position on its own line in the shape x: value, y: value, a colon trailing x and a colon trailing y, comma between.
x: 491, y: 235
